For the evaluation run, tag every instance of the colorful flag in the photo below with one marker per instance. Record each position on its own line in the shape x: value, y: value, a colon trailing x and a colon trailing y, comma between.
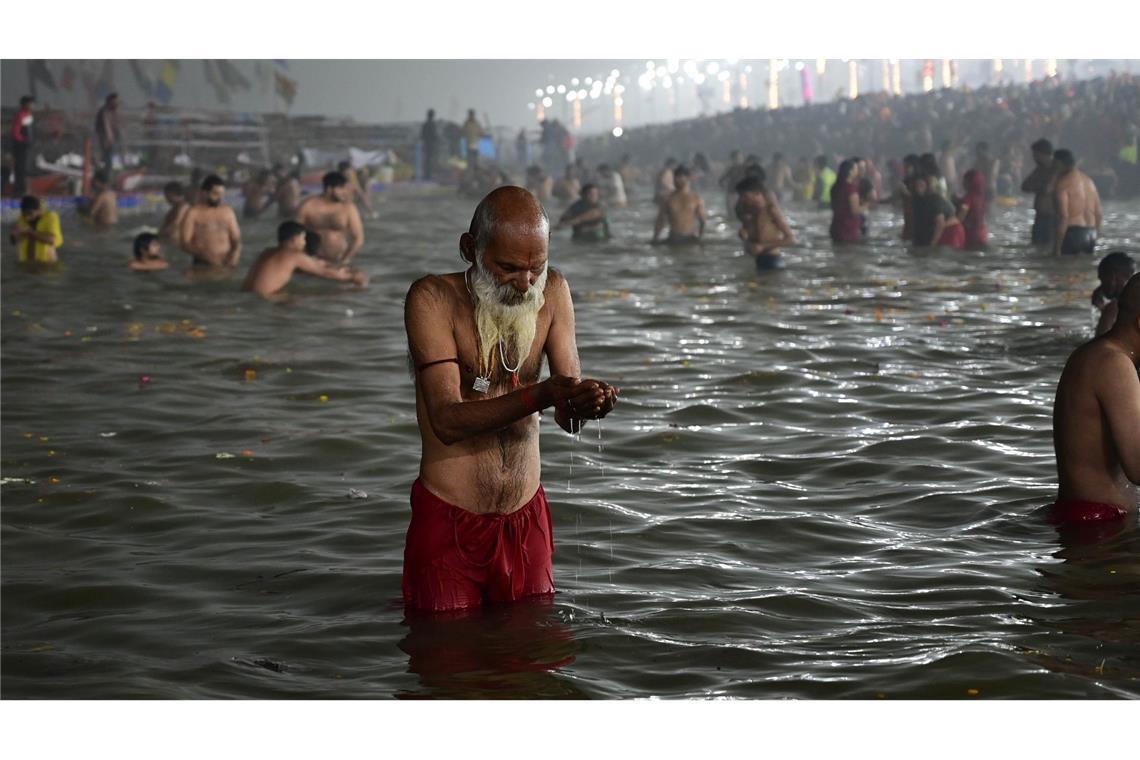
x: 231, y: 76
x: 141, y: 79
x: 164, y: 87
x: 286, y: 87
x: 221, y: 92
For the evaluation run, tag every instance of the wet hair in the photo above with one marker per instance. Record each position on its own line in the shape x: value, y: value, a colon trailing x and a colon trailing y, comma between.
x: 928, y: 165
x: 312, y: 242
x: 670, y: 161
x: 486, y: 218
x: 1042, y: 146
x: 142, y: 242
x: 681, y: 171
x: 29, y: 203
x: 751, y: 183
x: 821, y: 162
x: 110, y: 97
x: 1117, y: 262
x: 844, y: 171
x: 174, y: 188
x: 26, y: 100
x: 334, y: 179
x: 586, y: 188
x: 1065, y: 158
x: 755, y: 170
x: 100, y: 177
x: 343, y: 165
x: 211, y: 181
x: 288, y: 230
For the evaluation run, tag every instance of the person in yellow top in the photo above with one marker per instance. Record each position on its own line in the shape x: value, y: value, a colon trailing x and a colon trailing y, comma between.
x: 36, y: 233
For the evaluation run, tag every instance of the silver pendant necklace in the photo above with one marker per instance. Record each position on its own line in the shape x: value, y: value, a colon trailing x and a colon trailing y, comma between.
x: 482, y: 383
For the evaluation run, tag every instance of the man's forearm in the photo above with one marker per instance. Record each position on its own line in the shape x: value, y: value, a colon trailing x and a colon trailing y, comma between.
x: 462, y: 420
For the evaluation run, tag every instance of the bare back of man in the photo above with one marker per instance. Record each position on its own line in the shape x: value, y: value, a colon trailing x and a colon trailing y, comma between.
x: 1077, y: 208
x: 211, y: 235
x: 337, y: 222
x: 764, y: 228
x: 275, y: 267
x: 105, y: 209
x: 172, y: 222
x: 1096, y: 415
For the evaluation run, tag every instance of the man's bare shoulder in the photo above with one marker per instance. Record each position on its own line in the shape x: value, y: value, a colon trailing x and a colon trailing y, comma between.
x: 1100, y: 359
x: 434, y: 289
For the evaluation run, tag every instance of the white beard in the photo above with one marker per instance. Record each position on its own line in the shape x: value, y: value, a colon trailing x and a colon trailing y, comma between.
x: 503, y: 315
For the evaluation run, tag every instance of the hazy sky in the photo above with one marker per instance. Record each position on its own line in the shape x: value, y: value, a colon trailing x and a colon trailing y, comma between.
x: 404, y: 90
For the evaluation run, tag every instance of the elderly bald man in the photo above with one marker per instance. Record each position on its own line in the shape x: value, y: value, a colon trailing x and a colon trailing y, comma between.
x: 1096, y: 422
x: 480, y: 528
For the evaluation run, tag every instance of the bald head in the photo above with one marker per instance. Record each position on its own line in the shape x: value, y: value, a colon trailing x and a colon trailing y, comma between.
x: 504, y: 207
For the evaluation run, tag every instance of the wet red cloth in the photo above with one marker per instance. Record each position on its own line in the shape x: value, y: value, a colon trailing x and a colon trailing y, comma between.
x: 953, y: 236
x: 1074, y: 512
x: 844, y: 222
x: 975, y: 198
x: 456, y: 559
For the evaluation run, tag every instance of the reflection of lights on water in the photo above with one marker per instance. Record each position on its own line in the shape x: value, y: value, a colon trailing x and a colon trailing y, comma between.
x: 574, y: 81
x: 594, y: 94
x: 581, y: 94
x: 723, y: 76
x: 690, y: 68
x: 561, y: 89
x: 530, y: 106
x: 699, y: 80
x: 672, y: 65
x: 667, y: 82
x: 712, y: 67
x: 589, y: 79
x: 619, y: 102
x: 680, y: 80
x: 547, y: 101
x: 748, y: 69
x: 650, y: 65
x: 538, y: 93
x: 619, y: 89
x: 617, y: 131
x: 550, y: 89
x: 615, y: 73
x: 571, y: 96
x: 799, y: 65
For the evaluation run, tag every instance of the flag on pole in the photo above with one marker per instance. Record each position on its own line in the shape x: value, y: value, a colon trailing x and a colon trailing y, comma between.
x: 286, y: 87
x: 164, y: 87
x: 141, y: 79
x: 38, y: 73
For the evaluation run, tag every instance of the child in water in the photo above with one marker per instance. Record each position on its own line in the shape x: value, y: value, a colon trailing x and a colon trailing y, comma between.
x: 148, y: 254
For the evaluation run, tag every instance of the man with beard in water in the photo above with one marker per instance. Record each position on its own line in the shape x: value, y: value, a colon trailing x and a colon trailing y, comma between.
x: 1096, y: 422
x: 209, y: 230
x: 480, y: 528
x: 332, y: 215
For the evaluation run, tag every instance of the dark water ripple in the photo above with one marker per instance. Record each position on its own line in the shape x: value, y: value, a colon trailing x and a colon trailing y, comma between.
x: 823, y: 482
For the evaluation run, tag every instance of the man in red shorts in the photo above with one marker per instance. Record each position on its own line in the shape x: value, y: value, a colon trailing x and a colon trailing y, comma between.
x: 480, y: 529
x: 1096, y: 422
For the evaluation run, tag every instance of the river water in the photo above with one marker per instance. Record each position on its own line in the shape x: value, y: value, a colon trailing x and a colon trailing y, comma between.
x: 825, y: 482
